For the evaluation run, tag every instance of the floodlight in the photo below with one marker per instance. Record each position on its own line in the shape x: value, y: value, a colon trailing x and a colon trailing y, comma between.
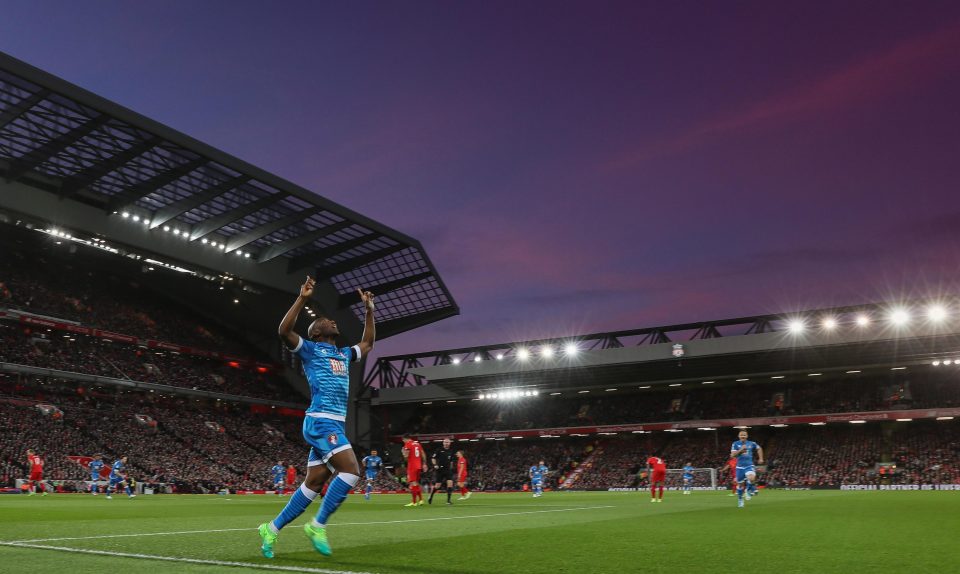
x: 936, y: 313
x: 899, y: 317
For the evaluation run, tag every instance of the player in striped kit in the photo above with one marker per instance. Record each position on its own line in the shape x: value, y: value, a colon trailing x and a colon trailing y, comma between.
x: 327, y: 369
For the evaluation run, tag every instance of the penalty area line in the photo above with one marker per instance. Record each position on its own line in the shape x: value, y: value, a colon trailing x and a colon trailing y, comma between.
x: 178, y: 559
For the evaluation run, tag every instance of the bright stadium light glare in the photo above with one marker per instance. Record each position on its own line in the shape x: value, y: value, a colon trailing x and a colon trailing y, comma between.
x: 125, y: 214
x: 936, y: 313
x: 571, y: 349
x: 935, y: 363
x: 136, y: 218
x: 863, y: 320
x: 535, y: 392
x: 829, y: 323
x: 456, y: 360
x: 796, y: 326
x: 899, y: 317
x: 546, y: 351
x: 204, y: 240
x: 477, y: 359
x: 167, y: 228
x: 176, y: 232
x: 947, y: 362
x: 482, y: 396
x: 499, y: 356
x: 523, y: 354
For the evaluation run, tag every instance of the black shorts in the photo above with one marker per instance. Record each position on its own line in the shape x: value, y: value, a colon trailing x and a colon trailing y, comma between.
x: 442, y: 477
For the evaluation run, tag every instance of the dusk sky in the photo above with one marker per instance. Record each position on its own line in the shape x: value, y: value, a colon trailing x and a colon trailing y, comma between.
x: 572, y: 167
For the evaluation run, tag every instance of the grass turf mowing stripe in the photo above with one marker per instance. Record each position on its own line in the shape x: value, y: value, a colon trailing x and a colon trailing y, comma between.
x: 25, y: 542
x: 178, y: 559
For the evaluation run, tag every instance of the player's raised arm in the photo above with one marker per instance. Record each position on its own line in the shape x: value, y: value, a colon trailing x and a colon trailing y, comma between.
x: 369, y: 328
x: 285, y: 330
x: 759, y: 454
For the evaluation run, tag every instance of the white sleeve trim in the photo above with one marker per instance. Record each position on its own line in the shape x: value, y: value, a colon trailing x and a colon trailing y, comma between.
x: 299, y: 345
x: 359, y: 354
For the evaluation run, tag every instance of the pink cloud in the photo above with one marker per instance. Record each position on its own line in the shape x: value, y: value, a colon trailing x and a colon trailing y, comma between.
x: 921, y: 59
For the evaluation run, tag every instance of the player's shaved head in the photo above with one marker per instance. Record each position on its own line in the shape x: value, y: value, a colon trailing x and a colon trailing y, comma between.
x: 322, y: 328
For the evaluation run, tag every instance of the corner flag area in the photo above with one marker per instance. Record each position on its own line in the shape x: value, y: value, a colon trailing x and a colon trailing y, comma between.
x: 791, y: 531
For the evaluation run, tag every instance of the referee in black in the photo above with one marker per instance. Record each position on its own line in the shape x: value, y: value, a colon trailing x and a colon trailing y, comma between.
x: 443, y: 461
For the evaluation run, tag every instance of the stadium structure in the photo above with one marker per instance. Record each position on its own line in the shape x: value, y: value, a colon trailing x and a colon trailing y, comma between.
x: 85, y: 181
x: 618, y: 387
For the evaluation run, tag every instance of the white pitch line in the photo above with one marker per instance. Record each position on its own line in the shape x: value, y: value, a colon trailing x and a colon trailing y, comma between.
x: 178, y: 559
x: 472, y: 516
x: 14, y: 542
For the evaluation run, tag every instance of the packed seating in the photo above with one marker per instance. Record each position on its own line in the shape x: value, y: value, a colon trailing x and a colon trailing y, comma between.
x: 196, y: 445
x: 58, y: 285
x: 93, y: 356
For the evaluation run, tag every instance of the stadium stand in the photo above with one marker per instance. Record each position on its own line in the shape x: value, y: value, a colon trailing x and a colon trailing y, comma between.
x: 203, y: 446
x: 76, y: 353
x: 196, y: 445
x: 59, y: 286
x: 923, y: 389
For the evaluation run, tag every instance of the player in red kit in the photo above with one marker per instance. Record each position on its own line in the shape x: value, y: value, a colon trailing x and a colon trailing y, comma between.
x: 416, y: 464
x: 36, y: 472
x: 732, y: 465
x: 657, y: 469
x: 291, y: 477
x: 462, y: 475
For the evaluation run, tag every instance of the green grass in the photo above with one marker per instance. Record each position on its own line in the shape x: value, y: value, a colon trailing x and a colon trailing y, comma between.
x: 785, y: 532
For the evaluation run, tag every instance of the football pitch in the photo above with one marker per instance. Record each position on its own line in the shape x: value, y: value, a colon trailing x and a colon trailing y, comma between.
x: 784, y: 532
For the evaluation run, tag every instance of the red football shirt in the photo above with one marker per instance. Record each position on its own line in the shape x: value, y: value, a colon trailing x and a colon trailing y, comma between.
x: 291, y: 475
x: 657, y: 464
x: 462, y: 465
x: 36, y: 463
x: 414, y: 454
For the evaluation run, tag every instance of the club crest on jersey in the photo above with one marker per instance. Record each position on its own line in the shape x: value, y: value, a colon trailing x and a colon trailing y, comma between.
x: 332, y: 439
x: 338, y: 367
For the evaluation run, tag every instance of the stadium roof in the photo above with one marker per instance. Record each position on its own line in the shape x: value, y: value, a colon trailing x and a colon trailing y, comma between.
x: 77, y: 151
x: 878, y: 337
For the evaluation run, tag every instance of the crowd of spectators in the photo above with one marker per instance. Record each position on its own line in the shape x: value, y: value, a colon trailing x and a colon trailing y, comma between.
x: 203, y: 446
x: 67, y: 287
x: 93, y: 356
x: 195, y: 445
